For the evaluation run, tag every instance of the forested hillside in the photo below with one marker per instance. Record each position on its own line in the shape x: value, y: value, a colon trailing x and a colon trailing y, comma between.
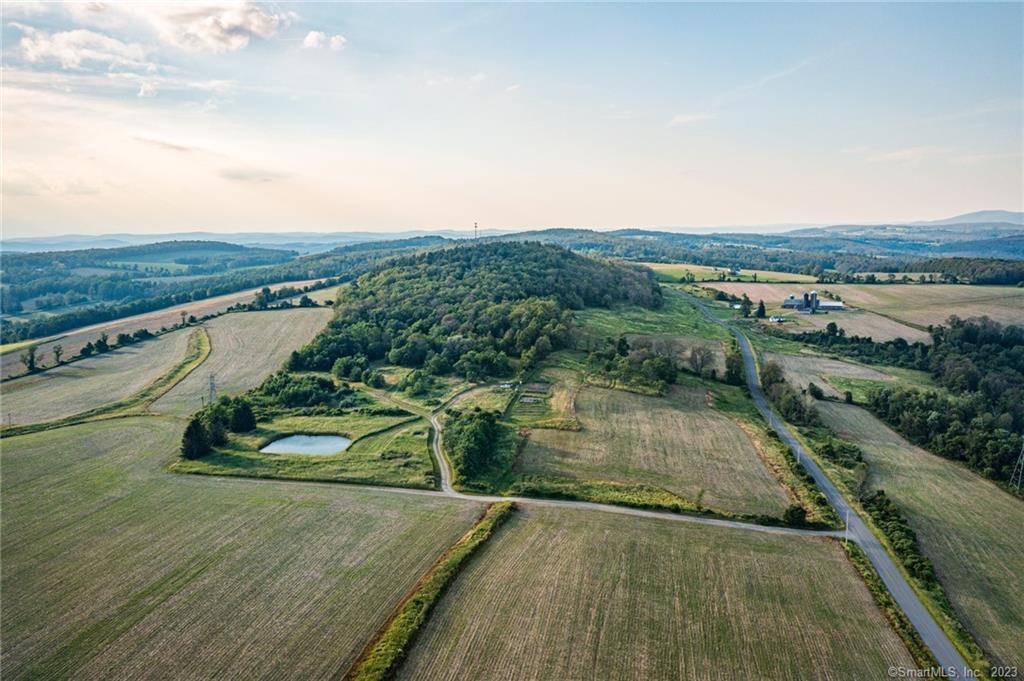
x: 470, y: 309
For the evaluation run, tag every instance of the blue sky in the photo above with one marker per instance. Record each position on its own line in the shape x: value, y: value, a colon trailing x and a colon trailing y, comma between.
x: 296, y: 116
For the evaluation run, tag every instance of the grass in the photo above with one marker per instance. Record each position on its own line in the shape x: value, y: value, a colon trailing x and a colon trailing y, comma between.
x: 138, y: 403
x: 674, y: 272
x: 387, y: 651
x: 90, y: 383
x: 247, y: 347
x: 17, y: 345
x: 963, y: 525
x: 567, y: 594
x: 678, y: 444
x: 677, y: 317
x: 386, y: 450
x: 915, y: 305
x: 113, y: 568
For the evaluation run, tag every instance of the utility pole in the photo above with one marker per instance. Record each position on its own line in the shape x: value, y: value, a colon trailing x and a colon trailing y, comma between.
x: 476, y: 232
x: 1018, y: 469
x: 213, y: 389
x: 846, y: 535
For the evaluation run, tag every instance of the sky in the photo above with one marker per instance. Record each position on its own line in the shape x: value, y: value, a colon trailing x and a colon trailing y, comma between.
x: 276, y: 117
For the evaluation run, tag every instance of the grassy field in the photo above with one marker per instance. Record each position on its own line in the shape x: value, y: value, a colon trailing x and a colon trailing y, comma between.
x: 677, y: 443
x: 386, y: 450
x: 247, y: 347
x: 115, y: 569
x: 915, y: 304
x: 323, y: 295
x: 166, y: 317
x: 566, y: 594
x: 676, y: 272
x: 677, y: 317
x: 834, y: 376
x: 92, y: 382
x: 966, y: 525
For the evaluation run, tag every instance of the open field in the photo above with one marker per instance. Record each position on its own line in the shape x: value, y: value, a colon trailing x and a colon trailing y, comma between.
x: 322, y: 296
x: 914, y: 304
x: 386, y: 450
x: 967, y: 526
x: 677, y: 317
x: 855, y: 323
x: 167, y: 317
x: 80, y: 386
x: 676, y: 443
x: 676, y: 271
x: 247, y: 347
x: 834, y: 376
x: 563, y: 594
x: 115, y: 569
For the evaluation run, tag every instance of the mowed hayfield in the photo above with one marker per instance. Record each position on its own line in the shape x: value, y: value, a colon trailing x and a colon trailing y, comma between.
x: 677, y: 271
x: 90, y: 383
x: 834, y: 376
x: 915, y: 304
x: 247, y: 347
x: 969, y: 527
x: 678, y: 443
x: 168, y: 317
x: 116, y: 569
x: 571, y: 594
x: 677, y: 317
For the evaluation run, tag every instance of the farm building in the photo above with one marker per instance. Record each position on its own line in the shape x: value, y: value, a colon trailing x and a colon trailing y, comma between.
x: 810, y: 304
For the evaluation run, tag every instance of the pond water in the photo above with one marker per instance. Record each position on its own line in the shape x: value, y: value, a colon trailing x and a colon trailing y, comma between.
x: 323, y: 445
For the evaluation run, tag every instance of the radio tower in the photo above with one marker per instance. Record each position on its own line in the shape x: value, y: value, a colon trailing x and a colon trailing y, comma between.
x: 476, y: 232
x: 213, y: 389
x: 1018, y: 470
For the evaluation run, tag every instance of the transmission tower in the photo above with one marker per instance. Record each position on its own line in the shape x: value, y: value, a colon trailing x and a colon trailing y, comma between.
x: 1018, y: 470
x: 213, y: 389
x: 476, y: 232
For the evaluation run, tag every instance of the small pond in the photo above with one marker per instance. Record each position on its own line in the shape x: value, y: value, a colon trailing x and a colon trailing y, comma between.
x: 323, y: 445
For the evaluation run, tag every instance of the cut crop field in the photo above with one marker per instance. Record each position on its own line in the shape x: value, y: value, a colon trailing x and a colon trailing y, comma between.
x: 566, y: 594
x: 966, y: 525
x: 166, y: 317
x: 247, y: 347
x: 116, y: 569
x: 386, y: 450
x: 914, y: 304
x: 834, y: 376
x: 676, y: 272
x: 677, y: 443
x: 90, y: 383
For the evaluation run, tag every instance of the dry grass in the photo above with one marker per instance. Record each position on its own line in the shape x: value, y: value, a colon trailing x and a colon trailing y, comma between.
x: 166, y: 317
x: 708, y: 273
x: 677, y: 443
x: 801, y: 370
x: 567, y: 594
x: 916, y: 304
x: 90, y: 383
x: 247, y: 347
x: 115, y: 569
x: 967, y: 526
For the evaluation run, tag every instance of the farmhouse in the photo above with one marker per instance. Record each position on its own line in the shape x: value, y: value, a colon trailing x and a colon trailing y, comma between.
x: 811, y: 304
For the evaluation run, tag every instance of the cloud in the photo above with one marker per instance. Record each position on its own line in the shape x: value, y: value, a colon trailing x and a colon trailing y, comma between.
x: 685, y: 119
x: 513, y: 87
x: 314, y: 40
x: 905, y: 155
x: 221, y: 27
x: 72, y: 49
x: 257, y: 175
x: 146, y: 89
x: 169, y: 146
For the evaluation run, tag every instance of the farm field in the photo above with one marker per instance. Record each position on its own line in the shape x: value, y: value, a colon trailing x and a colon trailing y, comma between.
x: 677, y: 317
x: 677, y: 443
x: 323, y: 296
x: 855, y: 323
x: 834, y: 376
x: 263, y: 339
x: 168, y: 317
x: 92, y: 382
x: 566, y: 594
x: 386, y: 450
x: 913, y: 304
x: 115, y: 569
x: 964, y: 524
x: 676, y: 271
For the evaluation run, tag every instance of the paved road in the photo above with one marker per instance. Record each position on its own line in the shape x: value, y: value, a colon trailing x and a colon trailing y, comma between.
x: 932, y: 635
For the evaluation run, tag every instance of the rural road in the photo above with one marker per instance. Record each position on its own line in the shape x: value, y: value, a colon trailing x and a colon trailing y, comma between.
x: 931, y: 633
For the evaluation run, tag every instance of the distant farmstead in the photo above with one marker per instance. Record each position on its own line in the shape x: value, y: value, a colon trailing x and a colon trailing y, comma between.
x: 810, y: 303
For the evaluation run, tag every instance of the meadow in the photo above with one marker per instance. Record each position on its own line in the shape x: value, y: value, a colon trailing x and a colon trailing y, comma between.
x: 168, y: 317
x: 835, y: 376
x: 567, y: 594
x: 90, y: 383
x: 247, y: 347
x: 677, y: 317
x: 116, y: 569
x: 677, y: 443
x: 675, y: 272
x: 915, y: 305
x: 966, y: 525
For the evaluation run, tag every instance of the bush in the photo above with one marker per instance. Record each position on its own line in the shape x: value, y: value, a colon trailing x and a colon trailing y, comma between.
x: 195, y: 442
x: 795, y: 515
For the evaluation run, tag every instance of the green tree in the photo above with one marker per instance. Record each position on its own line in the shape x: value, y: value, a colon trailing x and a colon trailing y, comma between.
x: 746, y: 305
x: 58, y: 352
x: 195, y: 442
x: 242, y: 418
x: 734, y: 366
x: 760, y: 314
x: 28, y: 358
x: 101, y: 343
x: 794, y: 515
x: 700, y: 357
x: 815, y: 391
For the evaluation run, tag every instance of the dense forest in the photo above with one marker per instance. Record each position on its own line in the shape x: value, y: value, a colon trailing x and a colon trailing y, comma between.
x: 975, y: 270
x: 469, y: 309
x: 979, y: 418
x: 343, y: 263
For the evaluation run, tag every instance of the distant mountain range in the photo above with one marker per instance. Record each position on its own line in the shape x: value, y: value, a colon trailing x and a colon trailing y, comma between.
x: 986, y: 231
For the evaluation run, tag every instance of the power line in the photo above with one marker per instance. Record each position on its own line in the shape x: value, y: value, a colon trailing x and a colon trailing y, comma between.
x: 1018, y: 469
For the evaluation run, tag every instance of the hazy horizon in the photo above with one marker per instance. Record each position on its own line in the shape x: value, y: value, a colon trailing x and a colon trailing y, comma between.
x: 250, y: 117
